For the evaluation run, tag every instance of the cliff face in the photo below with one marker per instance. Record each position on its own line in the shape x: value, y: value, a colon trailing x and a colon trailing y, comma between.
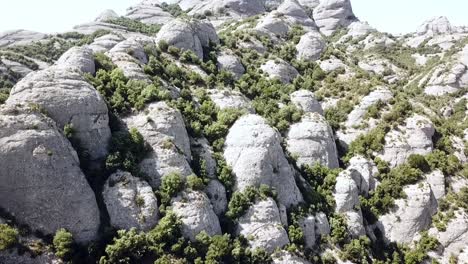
x: 234, y: 131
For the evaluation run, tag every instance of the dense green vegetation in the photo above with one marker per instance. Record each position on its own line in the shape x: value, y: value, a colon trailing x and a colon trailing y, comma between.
x: 63, y: 244
x: 135, y: 25
x: 166, y: 244
x: 8, y: 236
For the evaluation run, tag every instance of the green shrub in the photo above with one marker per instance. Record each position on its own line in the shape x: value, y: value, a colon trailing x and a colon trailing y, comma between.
x: 339, y: 229
x: 357, y: 251
x: 135, y: 25
x: 195, y: 183
x: 63, y: 244
x: 8, y: 236
x: 171, y: 185
x: 128, y: 247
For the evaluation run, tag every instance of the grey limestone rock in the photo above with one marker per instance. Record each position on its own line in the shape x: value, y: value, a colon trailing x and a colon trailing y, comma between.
x: 68, y: 99
x: 41, y: 182
x: 196, y: 213
x: 164, y: 130
x: 262, y: 224
x: 311, y: 141
x: 253, y: 151
x: 130, y: 202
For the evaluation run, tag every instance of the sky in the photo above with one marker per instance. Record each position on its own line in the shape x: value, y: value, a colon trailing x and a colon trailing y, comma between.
x: 393, y: 16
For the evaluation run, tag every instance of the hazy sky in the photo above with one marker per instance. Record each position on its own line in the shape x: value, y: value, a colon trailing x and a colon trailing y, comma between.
x: 394, y: 16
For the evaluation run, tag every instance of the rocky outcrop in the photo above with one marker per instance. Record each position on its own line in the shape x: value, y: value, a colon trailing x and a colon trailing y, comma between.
x: 230, y: 99
x: 436, y: 180
x: 453, y: 239
x: 313, y: 227
x: 41, y: 182
x: 130, y: 202
x: 413, y: 138
x: 254, y: 152
x: 447, y: 79
x: 280, y: 21
x: 310, y: 46
x: 262, y: 224
x: 196, y: 213
x: 129, y: 56
x: 410, y: 215
x: 306, y: 101
x: 285, y: 257
x: 105, y: 43
x: 365, y: 170
x: 84, y: 108
x: 311, y: 141
x: 149, y: 12
x: 80, y: 58
x: 164, y: 130
x: 106, y: 15
x: 231, y: 8
x: 231, y: 63
x: 188, y: 35
x: 381, y: 94
x: 347, y: 201
x: 330, y: 15
x: 217, y: 195
x: 279, y: 69
x: 435, y: 26
x: 19, y: 37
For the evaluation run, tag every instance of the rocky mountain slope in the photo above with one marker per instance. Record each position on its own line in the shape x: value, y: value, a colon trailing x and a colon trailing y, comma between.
x: 234, y: 131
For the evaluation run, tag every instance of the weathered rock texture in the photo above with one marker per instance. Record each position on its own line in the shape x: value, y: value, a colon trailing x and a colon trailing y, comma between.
x: 254, y: 152
x: 196, y: 213
x: 164, y: 130
x: 130, y: 202
x: 41, y: 182
x: 311, y: 141
x: 84, y: 108
x: 262, y: 224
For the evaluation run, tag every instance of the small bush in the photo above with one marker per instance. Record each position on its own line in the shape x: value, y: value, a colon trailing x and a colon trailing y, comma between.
x: 63, y: 244
x: 8, y: 236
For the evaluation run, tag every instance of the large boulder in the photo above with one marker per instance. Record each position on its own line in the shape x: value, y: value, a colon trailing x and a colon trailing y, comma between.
x: 279, y: 69
x: 196, y: 213
x: 68, y: 99
x: 188, y: 35
x: 217, y: 194
x: 409, y: 216
x: 347, y: 201
x: 253, y: 150
x: 330, y: 15
x: 231, y: 63
x: 346, y: 191
x: 366, y: 171
x: 41, y: 182
x: 454, y: 239
x: 413, y: 138
x: 436, y: 180
x: 130, y: 202
x: 306, y: 101
x: 163, y: 128
x: 230, y: 99
x: 262, y: 225
x: 129, y: 56
x: 310, y: 46
x: 311, y: 141
x: 78, y: 57
x: 381, y: 94
x: 105, y: 43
